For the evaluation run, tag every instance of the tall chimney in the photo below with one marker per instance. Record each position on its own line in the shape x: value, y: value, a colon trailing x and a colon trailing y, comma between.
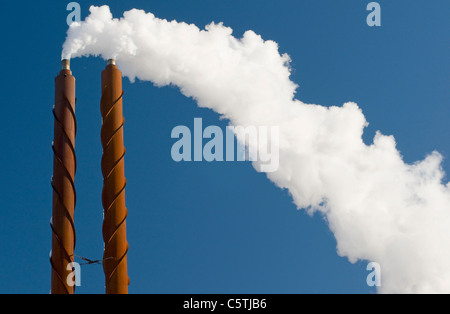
x: 114, y: 182
x: 64, y: 168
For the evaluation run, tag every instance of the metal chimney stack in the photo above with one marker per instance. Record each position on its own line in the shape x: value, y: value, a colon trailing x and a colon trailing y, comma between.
x: 114, y: 182
x: 64, y: 168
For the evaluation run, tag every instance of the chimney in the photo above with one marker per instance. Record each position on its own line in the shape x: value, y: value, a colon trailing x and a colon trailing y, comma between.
x: 114, y: 182
x: 64, y: 167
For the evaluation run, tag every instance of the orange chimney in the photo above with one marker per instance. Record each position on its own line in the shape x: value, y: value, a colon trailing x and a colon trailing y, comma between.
x: 114, y: 182
x: 64, y: 168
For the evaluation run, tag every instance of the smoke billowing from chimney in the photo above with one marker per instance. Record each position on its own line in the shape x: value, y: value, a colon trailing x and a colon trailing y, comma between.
x: 379, y: 208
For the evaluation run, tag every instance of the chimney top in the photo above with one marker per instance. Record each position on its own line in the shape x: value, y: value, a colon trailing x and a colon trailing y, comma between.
x: 111, y: 62
x: 65, y: 64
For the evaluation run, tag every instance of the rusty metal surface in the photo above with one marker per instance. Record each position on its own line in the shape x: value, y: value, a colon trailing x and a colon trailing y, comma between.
x: 64, y: 196
x: 114, y: 182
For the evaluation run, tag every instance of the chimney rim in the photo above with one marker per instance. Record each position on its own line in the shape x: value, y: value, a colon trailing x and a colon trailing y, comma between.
x: 65, y: 64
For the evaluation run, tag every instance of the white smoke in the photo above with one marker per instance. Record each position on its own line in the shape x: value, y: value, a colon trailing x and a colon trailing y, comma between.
x: 379, y: 208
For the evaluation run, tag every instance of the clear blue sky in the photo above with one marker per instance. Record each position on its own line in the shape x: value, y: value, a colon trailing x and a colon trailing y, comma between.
x: 209, y: 227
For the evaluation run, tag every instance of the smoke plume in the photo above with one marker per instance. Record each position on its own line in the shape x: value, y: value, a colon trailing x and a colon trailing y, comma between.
x: 379, y: 208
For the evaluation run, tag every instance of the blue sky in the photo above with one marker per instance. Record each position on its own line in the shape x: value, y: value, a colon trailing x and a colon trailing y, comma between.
x: 210, y: 227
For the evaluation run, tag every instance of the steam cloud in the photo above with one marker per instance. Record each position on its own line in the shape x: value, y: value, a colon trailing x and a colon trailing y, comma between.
x: 379, y: 207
